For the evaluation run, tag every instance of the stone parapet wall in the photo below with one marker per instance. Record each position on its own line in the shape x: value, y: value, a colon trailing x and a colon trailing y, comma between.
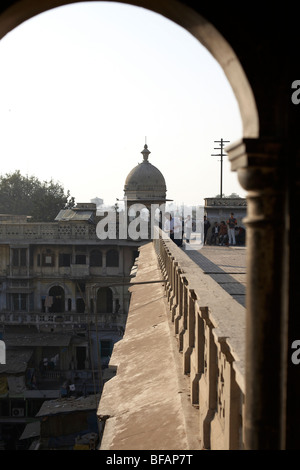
x: 210, y: 328
x: 42, y: 231
x: 145, y: 406
x: 179, y: 380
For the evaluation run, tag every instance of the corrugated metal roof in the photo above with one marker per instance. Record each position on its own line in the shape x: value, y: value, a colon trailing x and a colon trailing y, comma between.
x: 31, y: 430
x: 74, y: 215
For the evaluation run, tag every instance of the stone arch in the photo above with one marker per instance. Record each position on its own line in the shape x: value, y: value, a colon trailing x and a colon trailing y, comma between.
x: 184, y: 16
x: 58, y: 299
x: 104, y: 300
x: 96, y: 258
x: 112, y: 258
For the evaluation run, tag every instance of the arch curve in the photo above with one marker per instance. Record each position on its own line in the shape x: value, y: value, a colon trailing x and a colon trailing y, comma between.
x: 104, y: 300
x: 180, y: 14
x: 58, y: 299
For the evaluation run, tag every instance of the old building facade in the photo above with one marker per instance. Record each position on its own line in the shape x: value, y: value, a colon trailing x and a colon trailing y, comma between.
x: 64, y: 299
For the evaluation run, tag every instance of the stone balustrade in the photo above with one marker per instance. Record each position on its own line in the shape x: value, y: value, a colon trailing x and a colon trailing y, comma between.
x: 110, y: 320
x: 47, y: 231
x: 210, y: 329
x: 179, y: 369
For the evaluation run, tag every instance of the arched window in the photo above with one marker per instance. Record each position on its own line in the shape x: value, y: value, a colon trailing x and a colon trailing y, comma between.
x: 104, y: 300
x: 56, y: 300
x: 112, y: 259
x: 80, y: 305
x: 95, y: 258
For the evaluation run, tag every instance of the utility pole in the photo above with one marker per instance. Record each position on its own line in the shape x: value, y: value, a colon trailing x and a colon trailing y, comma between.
x: 222, y: 154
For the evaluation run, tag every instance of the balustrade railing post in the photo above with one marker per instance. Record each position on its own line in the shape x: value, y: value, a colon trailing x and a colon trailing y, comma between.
x: 182, y: 324
x: 197, y: 356
x: 189, y: 338
x: 178, y: 309
x: 208, y: 382
x: 228, y: 399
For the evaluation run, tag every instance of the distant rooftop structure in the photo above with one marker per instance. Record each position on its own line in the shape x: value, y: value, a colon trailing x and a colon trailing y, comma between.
x: 225, y: 201
x: 84, y: 211
x: 98, y: 201
x: 219, y: 208
x: 14, y: 218
x: 145, y: 183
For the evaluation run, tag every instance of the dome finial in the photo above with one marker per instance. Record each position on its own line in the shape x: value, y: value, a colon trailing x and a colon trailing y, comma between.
x: 145, y: 152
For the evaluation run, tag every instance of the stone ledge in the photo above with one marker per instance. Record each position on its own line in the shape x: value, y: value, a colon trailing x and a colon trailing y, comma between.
x: 146, y: 406
x: 226, y: 314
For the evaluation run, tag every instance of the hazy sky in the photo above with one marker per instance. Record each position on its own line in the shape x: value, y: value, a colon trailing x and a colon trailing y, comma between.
x: 82, y: 85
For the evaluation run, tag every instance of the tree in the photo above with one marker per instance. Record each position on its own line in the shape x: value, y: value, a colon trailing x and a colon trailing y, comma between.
x: 24, y: 195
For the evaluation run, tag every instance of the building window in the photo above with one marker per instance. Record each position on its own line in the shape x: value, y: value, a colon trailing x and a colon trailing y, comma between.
x: 106, y: 348
x: 56, y: 300
x: 19, y: 257
x: 112, y: 259
x: 104, y: 300
x: 48, y: 259
x: 96, y: 258
x: 80, y: 259
x: 19, y: 302
x: 80, y: 306
x: 64, y: 259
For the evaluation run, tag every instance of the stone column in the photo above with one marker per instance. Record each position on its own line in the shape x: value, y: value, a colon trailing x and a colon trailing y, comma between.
x: 262, y: 174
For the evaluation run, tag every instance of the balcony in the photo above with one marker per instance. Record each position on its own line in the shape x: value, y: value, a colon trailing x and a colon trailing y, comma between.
x: 67, y: 319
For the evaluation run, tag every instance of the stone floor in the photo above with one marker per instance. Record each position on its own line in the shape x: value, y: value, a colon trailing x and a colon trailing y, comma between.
x: 226, y: 265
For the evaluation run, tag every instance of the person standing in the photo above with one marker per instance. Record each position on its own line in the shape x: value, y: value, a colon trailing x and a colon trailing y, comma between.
x: 169, y: 225
x: 223, y: 234
x: 188, y: 228
x: 206, y: 227
x: 214, y: 234
x: 177, y: 231
x: 231, y: 222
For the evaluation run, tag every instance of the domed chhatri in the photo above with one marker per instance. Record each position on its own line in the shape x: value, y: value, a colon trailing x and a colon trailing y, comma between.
x: 145, y: 183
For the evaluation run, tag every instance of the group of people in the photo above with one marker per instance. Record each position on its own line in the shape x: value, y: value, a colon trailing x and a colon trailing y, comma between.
x: 177, y: 227
x: 226, y: 234
x: 221, y: 234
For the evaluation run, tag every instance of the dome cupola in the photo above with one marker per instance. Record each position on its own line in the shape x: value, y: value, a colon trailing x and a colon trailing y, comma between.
x: 145, y: 183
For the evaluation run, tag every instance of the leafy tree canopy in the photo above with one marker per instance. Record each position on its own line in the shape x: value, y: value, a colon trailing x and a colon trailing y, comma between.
x: 26, y: 195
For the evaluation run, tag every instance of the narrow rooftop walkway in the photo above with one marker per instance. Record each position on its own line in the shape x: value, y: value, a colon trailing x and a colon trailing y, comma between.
x: 226, y: 265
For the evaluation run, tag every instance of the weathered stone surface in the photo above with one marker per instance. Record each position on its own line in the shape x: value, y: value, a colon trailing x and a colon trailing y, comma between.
x: 147, y: 401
